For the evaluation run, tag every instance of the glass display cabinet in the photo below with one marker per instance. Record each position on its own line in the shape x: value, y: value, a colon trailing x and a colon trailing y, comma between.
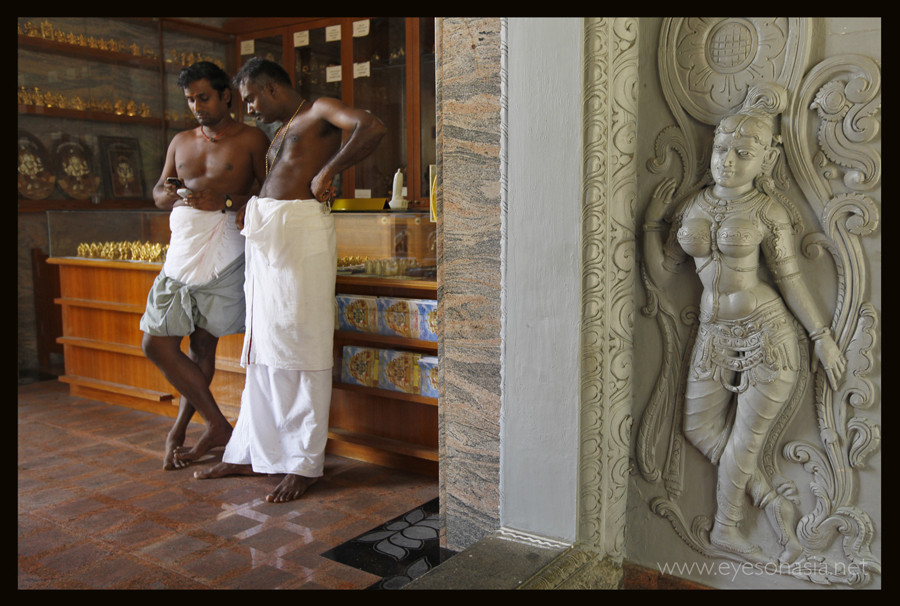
x: 384, y: 396
x: 382, y: 64
x: 97, y: 105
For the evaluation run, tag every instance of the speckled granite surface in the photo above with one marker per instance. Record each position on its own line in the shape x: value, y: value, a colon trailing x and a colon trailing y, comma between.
x: 468, y: 93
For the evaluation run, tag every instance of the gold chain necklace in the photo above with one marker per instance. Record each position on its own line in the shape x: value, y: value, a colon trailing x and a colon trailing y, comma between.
x: 285, y: 128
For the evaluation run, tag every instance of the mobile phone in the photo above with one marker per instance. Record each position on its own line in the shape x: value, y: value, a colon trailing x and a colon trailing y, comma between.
x: 175, y: 181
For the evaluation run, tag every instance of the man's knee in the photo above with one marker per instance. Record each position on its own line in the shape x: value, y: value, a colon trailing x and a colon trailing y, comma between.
x: 156, y: 348
x: 203, y: 345
x: 148, y: 346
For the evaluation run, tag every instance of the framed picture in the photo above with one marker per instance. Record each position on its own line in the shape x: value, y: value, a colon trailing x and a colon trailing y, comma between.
x: 35, y: 173
x: 75, y: 169
x: 122, y: 168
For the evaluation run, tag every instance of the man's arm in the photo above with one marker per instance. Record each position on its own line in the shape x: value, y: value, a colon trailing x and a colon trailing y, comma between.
x: 164, y: 195
x: 366, y: 131
x: 259, y: 147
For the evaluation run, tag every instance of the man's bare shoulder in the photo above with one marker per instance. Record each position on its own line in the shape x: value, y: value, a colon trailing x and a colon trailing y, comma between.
x: 253, y: 134
x: 323, y: 107
x: 186, y: 135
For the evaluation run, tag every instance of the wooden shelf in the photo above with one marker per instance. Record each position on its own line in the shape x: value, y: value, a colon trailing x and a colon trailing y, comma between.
x: 392, y: 287
x: 343, y: 337
x: 106, y: 305
x: 85, y: 52
x: 118, y: 388
x: 128, y: 350
x: 387, y: 393
x: 107, y: 264
x: 386, y: 444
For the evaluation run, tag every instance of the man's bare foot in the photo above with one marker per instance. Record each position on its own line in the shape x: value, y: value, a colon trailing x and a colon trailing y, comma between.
x: 173, y: 443
x: 211, y: 438
x: 221, y: 470
x: 290, y: 488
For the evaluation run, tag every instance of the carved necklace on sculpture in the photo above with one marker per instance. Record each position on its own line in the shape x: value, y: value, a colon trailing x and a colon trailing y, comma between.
x: 217, y: 137
x: 719, y: 208
x: 285, y: 128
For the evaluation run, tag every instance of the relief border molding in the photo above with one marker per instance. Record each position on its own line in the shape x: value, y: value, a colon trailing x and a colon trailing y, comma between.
x: 609, y: 186
x: 609, y: 189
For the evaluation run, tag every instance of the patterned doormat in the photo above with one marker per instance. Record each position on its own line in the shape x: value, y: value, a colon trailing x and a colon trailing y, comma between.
x: 399, y: 550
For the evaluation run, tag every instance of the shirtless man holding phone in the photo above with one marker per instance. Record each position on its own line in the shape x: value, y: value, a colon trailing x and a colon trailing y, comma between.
x: 209, y: 174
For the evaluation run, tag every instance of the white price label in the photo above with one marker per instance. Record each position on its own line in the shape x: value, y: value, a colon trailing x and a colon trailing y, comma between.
x: 361, y: 70
x: 333, y: 73
x: 360, y: 28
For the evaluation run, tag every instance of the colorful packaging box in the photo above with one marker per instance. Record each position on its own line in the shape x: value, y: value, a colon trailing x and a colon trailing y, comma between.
x: 428, y: 319
x: 357, y: 313
x: 428, y: 376
x: 398, y: 317
x: 399, y: 371
x: 359, y: 365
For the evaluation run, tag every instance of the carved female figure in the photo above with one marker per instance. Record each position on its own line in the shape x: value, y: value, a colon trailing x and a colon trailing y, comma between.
x: 746, y: 361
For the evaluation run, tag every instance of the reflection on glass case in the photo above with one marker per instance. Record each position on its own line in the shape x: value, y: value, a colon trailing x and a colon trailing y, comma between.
x: 386, y: 244
x: 122, y: 233
x: 377, y: 244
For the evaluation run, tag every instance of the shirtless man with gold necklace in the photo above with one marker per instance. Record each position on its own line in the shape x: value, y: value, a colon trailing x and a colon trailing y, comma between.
x: 291, y: 266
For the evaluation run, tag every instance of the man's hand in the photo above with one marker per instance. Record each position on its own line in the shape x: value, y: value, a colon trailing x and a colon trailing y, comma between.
x: 207, y: 200
x: 322, y: 189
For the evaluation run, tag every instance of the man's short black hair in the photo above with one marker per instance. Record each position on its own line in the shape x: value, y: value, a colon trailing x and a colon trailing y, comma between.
x: 262, y: 71
x: 205, y: 70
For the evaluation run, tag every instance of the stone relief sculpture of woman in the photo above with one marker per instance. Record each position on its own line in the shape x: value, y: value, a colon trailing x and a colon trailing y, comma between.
x: 750, y: 355
x: 769, y: 361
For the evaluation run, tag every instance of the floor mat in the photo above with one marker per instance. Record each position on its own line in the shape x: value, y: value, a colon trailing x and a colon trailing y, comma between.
x: 399, y: 550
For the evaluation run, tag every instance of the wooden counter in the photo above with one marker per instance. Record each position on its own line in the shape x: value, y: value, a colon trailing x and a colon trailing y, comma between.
x: 102, y: 302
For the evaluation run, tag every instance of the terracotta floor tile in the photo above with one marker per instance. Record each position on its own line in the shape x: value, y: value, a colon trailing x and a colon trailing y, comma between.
x: 96, y: 509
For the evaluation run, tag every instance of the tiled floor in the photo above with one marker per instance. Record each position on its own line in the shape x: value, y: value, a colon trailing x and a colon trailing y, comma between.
x: 96, y: 510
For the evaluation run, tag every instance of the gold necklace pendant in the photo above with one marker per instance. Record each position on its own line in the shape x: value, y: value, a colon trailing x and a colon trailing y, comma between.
x: 285, y: 129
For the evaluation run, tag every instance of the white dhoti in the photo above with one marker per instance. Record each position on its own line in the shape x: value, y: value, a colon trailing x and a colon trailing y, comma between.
x: 201, y: 245
x: 291, y: 261
x: 283, y: 423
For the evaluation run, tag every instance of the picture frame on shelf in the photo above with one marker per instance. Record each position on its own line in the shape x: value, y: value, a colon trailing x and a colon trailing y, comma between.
x: 122, y: 167
x: 76, y: 172
x: 35, y: 178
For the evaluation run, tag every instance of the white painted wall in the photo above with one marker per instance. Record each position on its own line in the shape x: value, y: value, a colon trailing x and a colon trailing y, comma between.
x: 541, y: 278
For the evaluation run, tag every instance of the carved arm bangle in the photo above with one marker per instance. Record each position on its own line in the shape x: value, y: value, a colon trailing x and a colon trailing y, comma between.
x: 818, y: 334
x: 655, y: 226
